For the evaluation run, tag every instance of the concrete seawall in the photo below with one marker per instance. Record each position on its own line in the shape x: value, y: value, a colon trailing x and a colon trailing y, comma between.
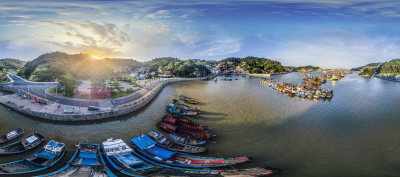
x: 121, y: 110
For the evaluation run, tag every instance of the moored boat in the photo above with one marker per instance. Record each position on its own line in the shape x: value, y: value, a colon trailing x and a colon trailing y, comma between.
x: 86, y: 161
x: 120, y: 156
x: 187, y: 99
x: 150, y: 149
x: 185, y: 140
x: 196, y: 134
x: 183, y: 122
x: 40, y: 160
x: 170, y: 145
x: 175, y: 110
x: 11, y: 135
x: 169, y: 170
x: 30, y: 142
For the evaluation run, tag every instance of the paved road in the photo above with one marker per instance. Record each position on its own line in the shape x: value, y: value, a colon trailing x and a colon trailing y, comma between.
x: 38, y: 89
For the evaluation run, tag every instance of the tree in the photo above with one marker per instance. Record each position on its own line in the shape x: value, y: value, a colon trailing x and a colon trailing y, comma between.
x: 70, y: 83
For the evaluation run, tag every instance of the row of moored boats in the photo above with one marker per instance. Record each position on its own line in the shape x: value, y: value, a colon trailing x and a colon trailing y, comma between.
x: 305, y: 91
x: 151, y: 154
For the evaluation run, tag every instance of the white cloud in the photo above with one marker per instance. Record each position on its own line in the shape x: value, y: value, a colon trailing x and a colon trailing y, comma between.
x: 220, y: 47
x: 337, y: 51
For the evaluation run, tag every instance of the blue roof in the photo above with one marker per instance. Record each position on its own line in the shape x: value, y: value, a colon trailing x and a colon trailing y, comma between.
x: 143, y: 141
x: 87, y: 155
x: 46, y: 155
x: 160, y: 152
x: 147, y: 144
x: 90, y: 162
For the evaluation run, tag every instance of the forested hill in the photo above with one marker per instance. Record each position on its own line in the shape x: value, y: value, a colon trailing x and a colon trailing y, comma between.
x: 181, y: 68
x: 390, y: 68
x: 253, y: 64
x: 10, y: 63
x: 50, y: 66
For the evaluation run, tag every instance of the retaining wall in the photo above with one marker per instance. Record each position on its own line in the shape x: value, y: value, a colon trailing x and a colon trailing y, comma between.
x: 121, y: 110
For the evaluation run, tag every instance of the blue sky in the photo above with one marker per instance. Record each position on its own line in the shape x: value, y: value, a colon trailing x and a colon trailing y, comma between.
x: 331, y: 34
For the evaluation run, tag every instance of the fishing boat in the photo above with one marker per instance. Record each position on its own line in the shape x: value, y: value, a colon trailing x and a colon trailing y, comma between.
x: 183, y: 106
x: 185, y: 140
x: 11, y: 135
x: 187, y: 99
x: 30, y: 142
x: 183, y: 122
x: 149, y: 148
x: 170, y: 145
x: 120, y: 156
x: 169, y: 170
x: 196, y: 134
x: 40, y: 160
x: 86, y: 161
x: 175, y: 110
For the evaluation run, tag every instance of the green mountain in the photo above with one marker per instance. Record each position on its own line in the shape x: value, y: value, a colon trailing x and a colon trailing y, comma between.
x: 371, y: 65
x: 252, y: 64
x: 180, y: 68
x: 391, y: 68
x: 10, y: 63
x: 307, y: 68
x: 51, y: 66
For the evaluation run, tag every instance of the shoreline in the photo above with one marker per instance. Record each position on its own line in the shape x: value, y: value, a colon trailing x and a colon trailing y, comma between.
x: 49, y: 111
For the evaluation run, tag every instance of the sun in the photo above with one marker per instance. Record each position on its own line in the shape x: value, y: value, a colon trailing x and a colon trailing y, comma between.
x: 97, y: 54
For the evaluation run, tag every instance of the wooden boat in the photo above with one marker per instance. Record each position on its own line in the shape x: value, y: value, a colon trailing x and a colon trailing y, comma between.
x: 149, y: 148
x: 183, y: 122
x: 40, y: 160
x: 11, y: 135
x: 86, y: 161
x: 187, y: 99
x: 30, y: 142
x: 201, y: 135
x: 120, y: 156
x: 169, y: 170
x: 185, y: 140
x: 175, y: 110
x: 170, y: 145
x: 183, y: 106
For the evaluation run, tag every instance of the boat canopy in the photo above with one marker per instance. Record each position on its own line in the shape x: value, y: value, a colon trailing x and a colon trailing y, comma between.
x: 128, y: 160
x: 54, y: 147
x: 113, y: 147
x: 88, y: 158
x: 147, y: 144
x: 31, y: 139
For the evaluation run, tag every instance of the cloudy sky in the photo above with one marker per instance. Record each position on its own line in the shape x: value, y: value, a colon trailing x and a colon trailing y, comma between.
x: 332, y: 34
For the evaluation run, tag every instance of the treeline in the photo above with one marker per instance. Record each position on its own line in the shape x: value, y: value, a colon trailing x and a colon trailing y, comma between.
x: 10, y: 63
x: 180, y: 68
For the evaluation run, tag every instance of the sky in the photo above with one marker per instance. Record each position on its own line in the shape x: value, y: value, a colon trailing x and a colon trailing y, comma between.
x: 329, y: 34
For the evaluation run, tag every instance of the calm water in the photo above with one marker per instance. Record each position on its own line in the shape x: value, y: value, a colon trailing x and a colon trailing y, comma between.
x: 355, y: 134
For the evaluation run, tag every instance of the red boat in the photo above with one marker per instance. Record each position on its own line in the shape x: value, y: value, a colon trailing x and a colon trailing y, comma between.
x: 196, y: 134
x: 184, y: 122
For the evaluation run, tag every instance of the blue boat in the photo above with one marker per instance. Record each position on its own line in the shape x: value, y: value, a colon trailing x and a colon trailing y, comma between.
x: 185, y: 140
x: 120, y: 156
x: 30, y: 142
x: 150, y: 149
x: 86, y: 161
x: 180, y: 171
x: 40, y: 160
x: 175, y: 110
